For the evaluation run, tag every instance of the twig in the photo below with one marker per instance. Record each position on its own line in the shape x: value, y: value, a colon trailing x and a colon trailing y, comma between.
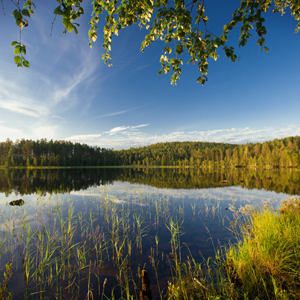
x: 3, y: 7
x: 201, y: 284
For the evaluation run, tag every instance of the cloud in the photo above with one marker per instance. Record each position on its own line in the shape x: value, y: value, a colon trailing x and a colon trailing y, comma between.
x: 40, y: 101
x: 123, y: 137
x: 114, y: 113
x: 64, y: 91
x: 117, y: 191
x: 20, y: 109
x: 120, y: 112
x: 143, y: 125
x: 117, y: 129
x: 82, y: 137
x: 129, y: 129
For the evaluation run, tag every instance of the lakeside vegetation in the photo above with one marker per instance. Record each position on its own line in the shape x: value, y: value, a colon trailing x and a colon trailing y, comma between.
x: 68, y: 254
x: 42, y: 153
x: 263, y: 262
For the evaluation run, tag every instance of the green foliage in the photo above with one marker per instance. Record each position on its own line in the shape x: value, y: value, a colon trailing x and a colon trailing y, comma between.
x: 265, y: 262
x: 21, y: 15
x: 4, y: 294
x: 57, y: 153
x: 271, y: 154
x: 183, y: 27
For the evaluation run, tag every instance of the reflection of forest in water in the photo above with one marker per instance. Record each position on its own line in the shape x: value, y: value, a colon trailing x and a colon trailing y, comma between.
x: 65, y: 180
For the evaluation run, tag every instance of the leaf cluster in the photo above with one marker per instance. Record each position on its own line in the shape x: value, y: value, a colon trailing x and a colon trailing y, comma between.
x: 181, y: 25
x: 21, y: 15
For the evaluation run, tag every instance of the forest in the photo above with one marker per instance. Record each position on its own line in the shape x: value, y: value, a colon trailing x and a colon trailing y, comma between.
x: 42, y: 153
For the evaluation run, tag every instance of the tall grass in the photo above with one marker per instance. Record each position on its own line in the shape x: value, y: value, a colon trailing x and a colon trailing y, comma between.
x: 263, y: 263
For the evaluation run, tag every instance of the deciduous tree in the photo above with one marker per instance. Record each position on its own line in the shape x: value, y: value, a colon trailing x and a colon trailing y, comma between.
x: 182, y: 25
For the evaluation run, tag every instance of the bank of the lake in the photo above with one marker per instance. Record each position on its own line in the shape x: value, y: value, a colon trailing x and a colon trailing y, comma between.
x: 263, y: 263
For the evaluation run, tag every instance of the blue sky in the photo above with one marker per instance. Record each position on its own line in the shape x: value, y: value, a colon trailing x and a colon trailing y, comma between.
x: 69, y: 93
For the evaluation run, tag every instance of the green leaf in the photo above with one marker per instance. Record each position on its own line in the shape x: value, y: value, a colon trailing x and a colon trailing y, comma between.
x: 70, y: 27
x: 160, y: 72
x: 14, y: 43
x: 17, y: 59
x: 26, y: 13
x: 56, y: 10
x: 23, y: 50
x: 26, y: 63
x: 17, y: 49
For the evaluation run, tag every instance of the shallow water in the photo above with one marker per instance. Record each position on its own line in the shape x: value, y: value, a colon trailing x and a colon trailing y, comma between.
x: 128, y: 215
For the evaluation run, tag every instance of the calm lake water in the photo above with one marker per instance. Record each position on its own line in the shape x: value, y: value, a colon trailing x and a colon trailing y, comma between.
x: 94, y: 230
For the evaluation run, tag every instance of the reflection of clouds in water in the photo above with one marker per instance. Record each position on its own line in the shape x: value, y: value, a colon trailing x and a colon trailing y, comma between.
x: 11, y: 224
x: 122, y: 191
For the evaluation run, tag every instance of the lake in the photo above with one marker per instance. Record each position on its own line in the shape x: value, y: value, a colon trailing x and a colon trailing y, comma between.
x: 89, y: 232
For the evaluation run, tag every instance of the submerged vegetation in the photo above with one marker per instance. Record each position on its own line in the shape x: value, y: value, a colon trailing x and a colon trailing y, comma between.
x: 96, y: 248
x: 42, y: 153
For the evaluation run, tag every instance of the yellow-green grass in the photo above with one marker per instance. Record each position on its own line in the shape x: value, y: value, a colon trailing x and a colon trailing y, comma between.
x: 264, y: 263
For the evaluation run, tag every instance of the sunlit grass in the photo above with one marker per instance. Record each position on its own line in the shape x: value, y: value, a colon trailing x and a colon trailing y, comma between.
x: 265, y: 263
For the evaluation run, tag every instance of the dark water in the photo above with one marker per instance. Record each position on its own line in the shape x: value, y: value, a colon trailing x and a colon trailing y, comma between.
x: 128, y: 211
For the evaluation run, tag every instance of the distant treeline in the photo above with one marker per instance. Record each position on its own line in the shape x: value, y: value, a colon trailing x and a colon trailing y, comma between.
x: 53, y: 153
x: 277, y: 153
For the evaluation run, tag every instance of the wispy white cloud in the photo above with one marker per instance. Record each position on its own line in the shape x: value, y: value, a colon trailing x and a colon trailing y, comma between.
x: 130, y: 130
x: 80, y: 74
x: 20, y: 109
x: 114, y: 113
x: 143, y: 125
x: 34, y: 131
x: 40, y: 100
x: 57, y: 117
x: 117, y: 129
x: 82, y: 137
x: 123, y: 137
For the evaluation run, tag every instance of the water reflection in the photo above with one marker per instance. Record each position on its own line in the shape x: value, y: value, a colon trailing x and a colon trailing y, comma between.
x: 108, y: 224
x: 32, y: 181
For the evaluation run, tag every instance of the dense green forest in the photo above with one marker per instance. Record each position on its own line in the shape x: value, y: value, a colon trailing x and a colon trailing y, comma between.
x: 277, y: 153
x: 283, y: 152
x: 53, y: 153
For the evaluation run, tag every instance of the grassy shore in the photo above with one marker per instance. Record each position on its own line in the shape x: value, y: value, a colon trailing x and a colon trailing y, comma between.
x: 264, y: 262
